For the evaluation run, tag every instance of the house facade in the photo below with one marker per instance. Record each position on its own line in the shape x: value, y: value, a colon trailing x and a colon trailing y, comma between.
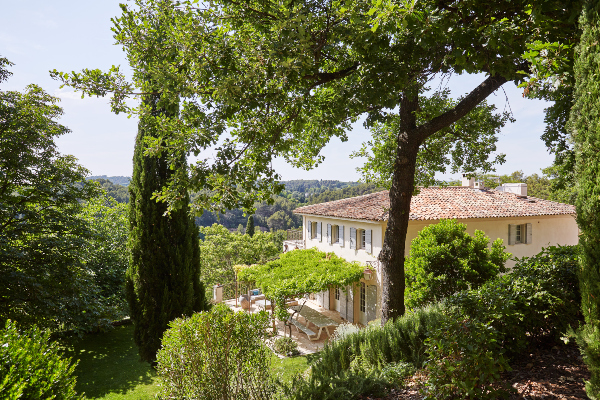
x: 355, y: 228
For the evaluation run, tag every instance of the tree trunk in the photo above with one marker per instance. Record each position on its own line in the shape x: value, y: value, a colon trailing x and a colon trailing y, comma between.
x: 403, y: 182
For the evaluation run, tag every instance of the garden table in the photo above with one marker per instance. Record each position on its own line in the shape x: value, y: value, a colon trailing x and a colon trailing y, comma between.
x: 316, y: 318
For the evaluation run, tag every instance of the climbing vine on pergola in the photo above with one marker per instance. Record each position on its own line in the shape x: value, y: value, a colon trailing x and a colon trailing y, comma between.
x: 300, y: 272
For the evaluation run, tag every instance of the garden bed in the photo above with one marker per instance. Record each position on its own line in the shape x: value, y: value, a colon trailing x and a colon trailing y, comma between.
x: 544, y: 373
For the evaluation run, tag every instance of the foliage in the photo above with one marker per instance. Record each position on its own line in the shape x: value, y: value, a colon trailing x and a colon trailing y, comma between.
x: 400, y: 340
x: 216, y: 355
x: 584, y: 127
x: 116, y: 191
x: 299, y: 272
x: 347, y: 385
x: 43, y: 279
x: 344, y: 193
x: 286, y: 346
x: 117, y: 180
x: 283, y: 80
x: 32, y: 366
x: 280, y: 221
x: 250, y: 226
x: 465, y: 145
x: 344, y: 329
x: 445, y: 259
x: 163, y: 279
x: 221, y: 249
x: 538, y: 299
x: 465, y: 361
x: 105, y: 258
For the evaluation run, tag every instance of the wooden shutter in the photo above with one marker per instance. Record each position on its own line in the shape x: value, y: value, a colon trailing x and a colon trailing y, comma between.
x: 341, y: 235
x: 350, y: 304
x: 326, y: 299
x: 371, y: 302
x: 319, y: 233
x: 529, y: 234
x: 353, y: 238
x: 368, y: 244
x: 512, y: 233
x: 329, y: 234
x: 309, y: 229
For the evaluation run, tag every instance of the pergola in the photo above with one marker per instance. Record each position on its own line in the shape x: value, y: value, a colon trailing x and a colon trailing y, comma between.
x: 297, y: 273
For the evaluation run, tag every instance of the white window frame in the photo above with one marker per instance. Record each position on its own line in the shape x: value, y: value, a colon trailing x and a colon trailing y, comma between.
x: 313, y: 230
x: 520, y: 234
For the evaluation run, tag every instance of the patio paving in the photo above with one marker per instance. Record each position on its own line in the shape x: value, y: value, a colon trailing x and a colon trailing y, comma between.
x: 305, y: 346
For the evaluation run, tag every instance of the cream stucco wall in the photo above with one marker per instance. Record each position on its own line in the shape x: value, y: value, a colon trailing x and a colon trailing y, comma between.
x: 344, y: 250
x: 546, y: 230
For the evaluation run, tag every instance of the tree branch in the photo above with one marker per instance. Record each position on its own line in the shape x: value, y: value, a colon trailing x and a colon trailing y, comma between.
x: 468, y: 103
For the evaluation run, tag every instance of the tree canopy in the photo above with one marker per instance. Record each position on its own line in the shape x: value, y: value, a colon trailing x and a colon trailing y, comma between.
x: 283, y: 79
x: 43, y: 278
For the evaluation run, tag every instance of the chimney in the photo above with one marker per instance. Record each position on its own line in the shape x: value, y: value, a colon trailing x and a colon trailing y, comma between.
x: 468, y: 182
x: 519, y: 189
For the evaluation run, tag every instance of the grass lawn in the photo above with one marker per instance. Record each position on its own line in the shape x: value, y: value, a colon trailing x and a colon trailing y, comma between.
x: 109, y: 366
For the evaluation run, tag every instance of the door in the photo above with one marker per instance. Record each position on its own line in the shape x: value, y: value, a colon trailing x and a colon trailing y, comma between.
x: 336, y: 298
x: 362, y: 311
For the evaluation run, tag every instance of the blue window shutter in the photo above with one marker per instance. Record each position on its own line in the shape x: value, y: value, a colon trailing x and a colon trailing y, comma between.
x: 329, y: 234
x: 529, y: 234
x: 353, y: 238
x: 341, y: 235
x: 368, y: 244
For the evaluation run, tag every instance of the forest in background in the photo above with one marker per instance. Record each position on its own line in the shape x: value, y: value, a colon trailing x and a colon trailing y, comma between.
x: 298, y: 193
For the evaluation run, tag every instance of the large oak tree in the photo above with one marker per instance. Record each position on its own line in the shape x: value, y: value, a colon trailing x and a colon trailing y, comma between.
x: 283, y: 78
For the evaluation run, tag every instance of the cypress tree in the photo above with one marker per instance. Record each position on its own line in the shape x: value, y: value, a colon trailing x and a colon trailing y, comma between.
x: 250, y: 226
x: 584, y: 125
x: 163, y: 279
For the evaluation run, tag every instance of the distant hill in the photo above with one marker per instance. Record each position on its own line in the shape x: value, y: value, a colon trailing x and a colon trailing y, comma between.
x: 117, y: 180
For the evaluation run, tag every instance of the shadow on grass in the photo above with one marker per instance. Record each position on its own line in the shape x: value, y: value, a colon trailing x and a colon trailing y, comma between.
x: 109, y: 364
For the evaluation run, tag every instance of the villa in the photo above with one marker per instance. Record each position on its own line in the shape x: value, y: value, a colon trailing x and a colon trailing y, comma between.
x: 354, y: 228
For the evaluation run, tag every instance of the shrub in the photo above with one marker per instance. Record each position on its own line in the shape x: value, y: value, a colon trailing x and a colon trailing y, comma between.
x: 445, y: 259
x: 347, y: 386
x: 400, y: 340
x: 31, y: 366
x: 216, y: 355
x: 465, y: 360
x: 536, y: 300
x: 286, y: 346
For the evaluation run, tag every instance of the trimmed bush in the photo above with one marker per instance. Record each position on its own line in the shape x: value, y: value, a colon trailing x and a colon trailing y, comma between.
x: 216, y: 355
x: 445, y: 259
x: 31, y: 366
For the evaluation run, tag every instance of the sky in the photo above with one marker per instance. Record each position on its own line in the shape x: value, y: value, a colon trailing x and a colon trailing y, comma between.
x: 39, y: 36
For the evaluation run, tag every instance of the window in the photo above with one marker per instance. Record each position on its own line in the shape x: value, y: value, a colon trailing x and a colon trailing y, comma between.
x: 361, y: 239
x: 337, y: 292
x: 363, y: 297
x: 339, y: 234
x: 520, y: 234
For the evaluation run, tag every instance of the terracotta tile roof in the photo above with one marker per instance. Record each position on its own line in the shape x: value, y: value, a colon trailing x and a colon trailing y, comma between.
x: 441, y: 203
